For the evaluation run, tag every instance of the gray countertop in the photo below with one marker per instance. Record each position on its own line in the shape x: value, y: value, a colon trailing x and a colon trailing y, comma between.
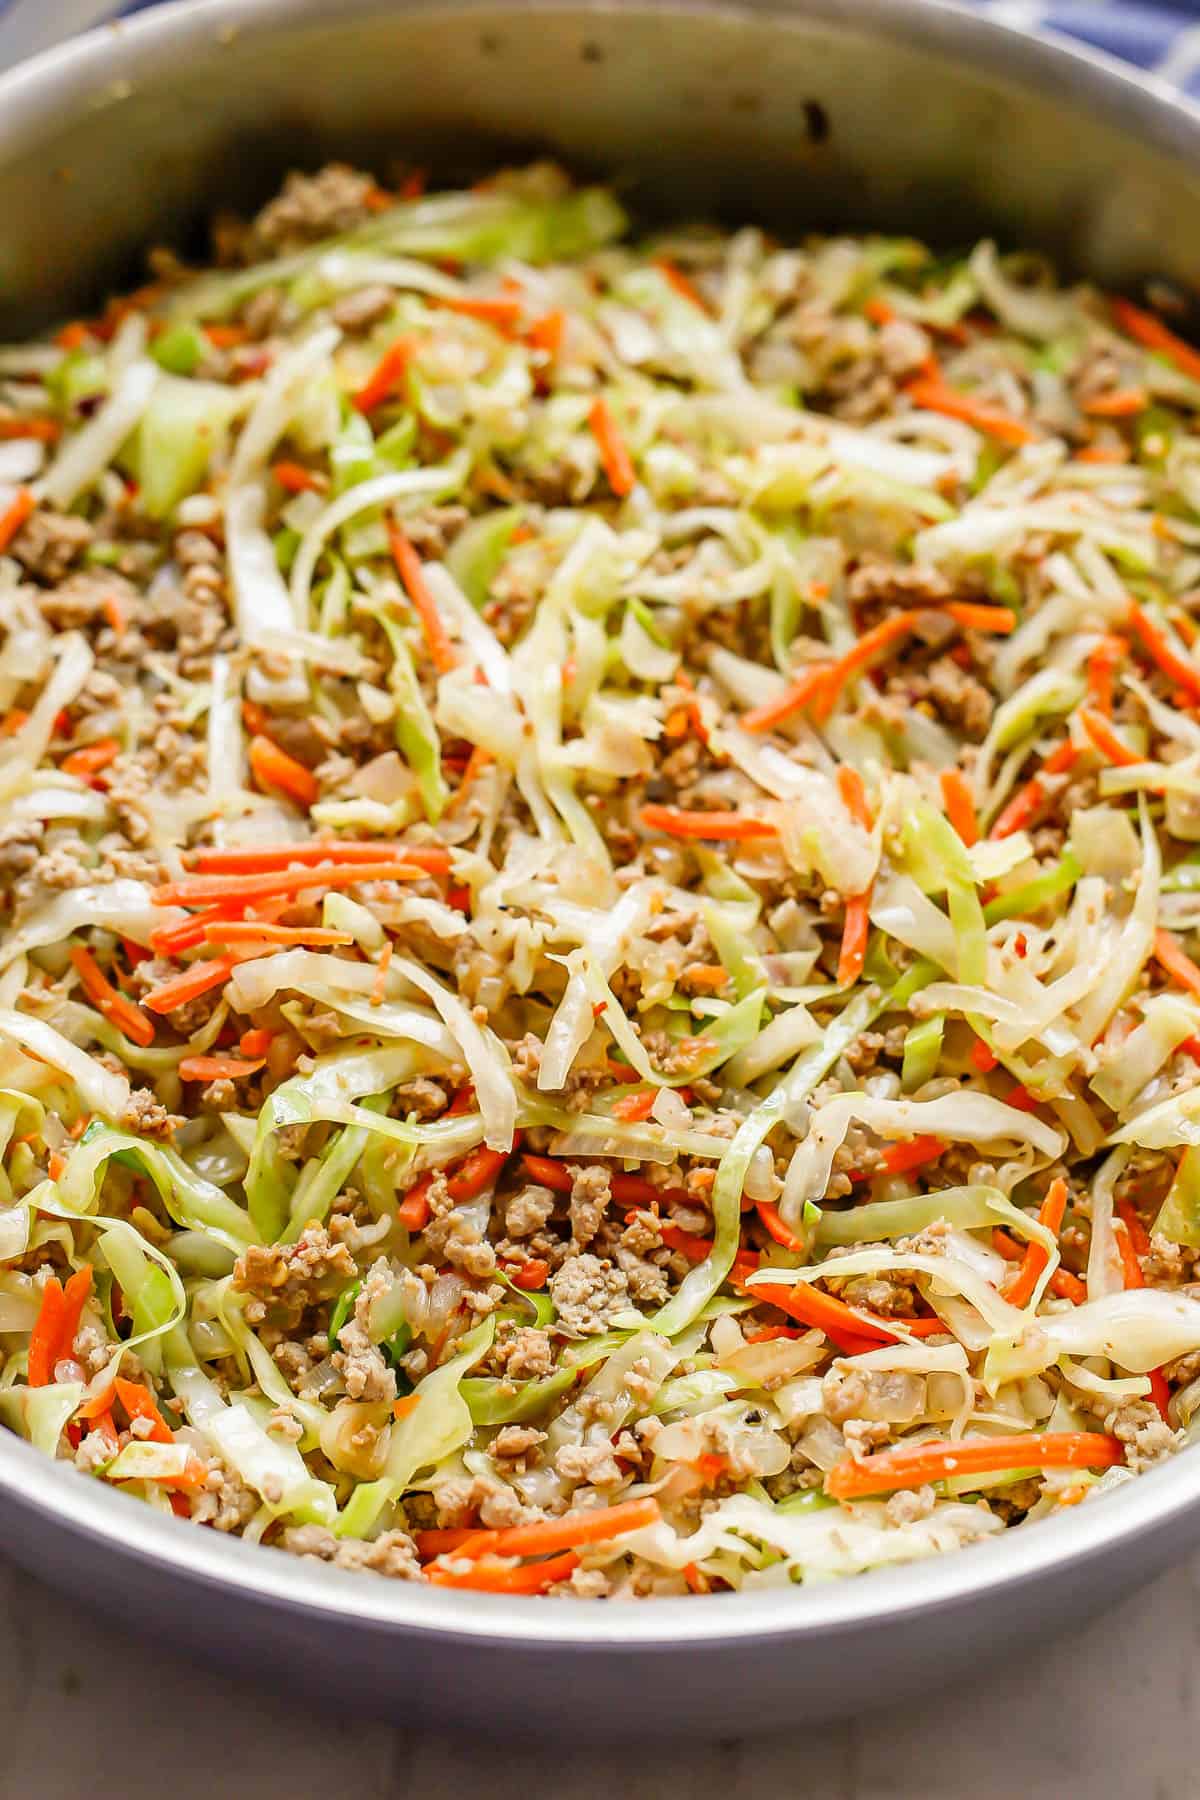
x: 1108, y: 1713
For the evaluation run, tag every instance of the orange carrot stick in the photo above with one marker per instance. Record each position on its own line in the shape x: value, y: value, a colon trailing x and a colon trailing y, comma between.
x: 1159, y: 647
x: 408, y: 565
x: 89, y: 759
x: 614, y: 455
x: 205, y: 890
x: 274, y: 768
x: 504, y: 1578
x: 596, y: 1525
x: 1150, y: 332
x: 1027, y: 800
x: 258, y: 859
x: 140, y: 1403
x: 675, y: 822
x: 1019, y: 1290
x: 935, y: 396
x: 1119, y: 403
x: 109, y: 1001
x: 959, y: 803
x: 1106, y: 741
x: 1104, y: 659
x: 853, y: 793
x: 802, y: 692
x: 15, y: 515
x: 855, y: 933
x: 1175, y: 960
x: 388, y: 377
x: 46, y: 1335
x: 195, y: 980
x: 217, y: 1068
x: 998, y: 619
x: 913, y: 1465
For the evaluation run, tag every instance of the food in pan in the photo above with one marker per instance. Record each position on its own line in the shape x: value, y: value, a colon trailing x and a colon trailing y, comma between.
x: 601, y: 859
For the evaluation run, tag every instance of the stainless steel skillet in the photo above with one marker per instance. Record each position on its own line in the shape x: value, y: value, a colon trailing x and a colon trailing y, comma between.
x: 903, y: 114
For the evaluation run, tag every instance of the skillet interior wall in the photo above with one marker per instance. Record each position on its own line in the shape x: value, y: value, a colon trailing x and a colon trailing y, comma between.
x: 795, y: 118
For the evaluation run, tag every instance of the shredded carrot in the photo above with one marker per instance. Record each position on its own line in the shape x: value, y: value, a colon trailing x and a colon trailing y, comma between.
x: 1019, y: 1290
x: 1177, y: 963
x: 379, y: 985
x: 240, y: 931
x: 89, y: 759
x: 983, y: 1058
x: 203, y: 890
x: 855, y: 933
x: 531, y: 1275
x: 769, y: 1334
x: 413, y: 1210
x: 628, y: 1190
x: 18, y: 425
x: 614, y: 455
x: 1027, y: 800
x: 505, y: 315
x: 679, y: 281
x: 1139, y: 1237
x: 997, y: 619
x: 407, y: 1403
x: 1159, y: 647
x: 934, y: 395
x: 195, y: 980
x: 1118, y: 403
x: 709, y: 978
x: 959, y: 803
x: 476, y: 763
x: 879, y: 312
x: 506, y: 1578
x: 169, y: 940
x: 772, y: 1222
x: 274, y: 768
x: 13, y: 721
x: 225, y: 337
x: 15, y: 515
x: 1106, y: 741
x: 873, y: 643
x: 408, y: 564
x: 56, y: 1165
x: 1150, y: 332
x: 296, y: 479
x: 218, y: 1068
x: 99, y: 1404
x: 805, y: 691
x: 477, y: 1171
x: 901, y: 1159
x: 546, y: 333
x: 46, y: 1336
x: 1103, y: 660
x: 1102, y: 453
x: 634, y: 1108
x: 109, y: 1001
x: 140, y: 1403
x: 255, y: 1042
x: 596, y: 1525
x: 388, y: 377
x: 259, y: 859
x: 675, y: 822
x: 852, y: 790
x: 1062, y: 1282
x: 842, y: 1325
x: 913, y: 1466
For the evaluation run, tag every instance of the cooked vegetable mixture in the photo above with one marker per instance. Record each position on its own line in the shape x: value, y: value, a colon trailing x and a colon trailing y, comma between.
x: 601, y: 848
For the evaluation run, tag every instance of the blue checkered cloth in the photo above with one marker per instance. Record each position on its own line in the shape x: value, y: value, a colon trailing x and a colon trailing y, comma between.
x: 1158, y: 35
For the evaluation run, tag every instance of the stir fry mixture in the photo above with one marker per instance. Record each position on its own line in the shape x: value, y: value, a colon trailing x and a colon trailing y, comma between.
x: 601, y: 859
